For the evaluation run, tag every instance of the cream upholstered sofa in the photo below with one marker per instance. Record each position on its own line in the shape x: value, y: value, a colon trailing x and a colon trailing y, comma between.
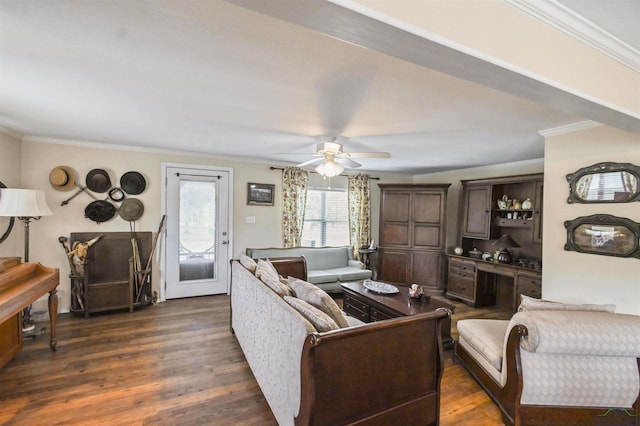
x: 386, y: 372
x: 556, y: 364
x: 327, y: 267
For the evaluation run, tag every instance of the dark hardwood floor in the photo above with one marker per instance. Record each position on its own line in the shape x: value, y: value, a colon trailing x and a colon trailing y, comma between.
x: 171, y: 364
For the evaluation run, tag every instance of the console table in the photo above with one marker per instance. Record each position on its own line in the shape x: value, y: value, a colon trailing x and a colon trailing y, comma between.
x: 21, y: 284
x: 367, y: 306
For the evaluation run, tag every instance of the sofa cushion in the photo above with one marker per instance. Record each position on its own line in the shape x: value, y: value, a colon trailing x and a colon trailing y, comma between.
x: 319, y: 299
x: 265, y: 267
x: 486, y: 336
x: 320, y: 276
x: 285, y: 282
x: 326, y: 257
x: 248, y: 263
x: 320, y: 320
x: 275, y: 285
x: 331, y: 288
x: 531, y: 304
x: 353, y: 321
x: 349, y: 273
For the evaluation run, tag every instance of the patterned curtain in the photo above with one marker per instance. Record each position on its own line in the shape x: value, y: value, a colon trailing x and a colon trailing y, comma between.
x: 359, y: 212
x: 294, y: 198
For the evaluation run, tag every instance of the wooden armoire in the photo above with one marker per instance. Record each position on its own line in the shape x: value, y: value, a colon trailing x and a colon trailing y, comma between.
x: 412, y: 235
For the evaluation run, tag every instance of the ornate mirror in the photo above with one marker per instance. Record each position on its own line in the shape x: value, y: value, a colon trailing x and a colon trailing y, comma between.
x: 603, y: 234
x: 605, y: 183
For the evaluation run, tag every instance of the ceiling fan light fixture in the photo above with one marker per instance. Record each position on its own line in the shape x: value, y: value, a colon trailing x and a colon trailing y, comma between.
x: 329, y: 168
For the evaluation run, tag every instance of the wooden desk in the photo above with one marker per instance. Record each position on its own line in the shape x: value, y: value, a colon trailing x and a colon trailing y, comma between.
x: 477, y: 282
x: 20, y: 286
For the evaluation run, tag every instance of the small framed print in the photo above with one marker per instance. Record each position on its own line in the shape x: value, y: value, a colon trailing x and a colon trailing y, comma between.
x: 260, y: 194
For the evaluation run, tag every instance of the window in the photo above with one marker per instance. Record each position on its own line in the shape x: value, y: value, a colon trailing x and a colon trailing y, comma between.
x: 326, y: 218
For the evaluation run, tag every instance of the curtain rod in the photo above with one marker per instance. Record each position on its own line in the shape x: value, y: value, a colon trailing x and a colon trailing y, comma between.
x: 282, y: 168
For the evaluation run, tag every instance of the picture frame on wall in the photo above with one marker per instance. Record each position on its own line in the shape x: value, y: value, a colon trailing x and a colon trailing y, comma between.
x: 260, y: 194
x: 603, y: 234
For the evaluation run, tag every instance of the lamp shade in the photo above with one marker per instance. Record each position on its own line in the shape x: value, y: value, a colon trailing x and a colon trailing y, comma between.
x: 329, y: 168
x: 505, y: 241
x: 23, y: 203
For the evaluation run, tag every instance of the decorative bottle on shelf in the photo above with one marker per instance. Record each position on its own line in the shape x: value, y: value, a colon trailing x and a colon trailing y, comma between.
x: 526, y: 204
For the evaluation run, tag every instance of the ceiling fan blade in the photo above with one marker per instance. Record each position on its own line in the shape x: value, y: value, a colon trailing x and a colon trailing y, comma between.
x: 308, y: 163
x: 368, y: 154
x: 348, y: 163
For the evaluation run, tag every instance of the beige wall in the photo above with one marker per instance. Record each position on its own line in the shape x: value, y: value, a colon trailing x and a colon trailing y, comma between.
x: 455, y: 190
x: 567, y: 276
x: 10, y: 175
x: 586, y: 278
x: 39, y: 158
x: 35, y: 159
x: 531, y: 47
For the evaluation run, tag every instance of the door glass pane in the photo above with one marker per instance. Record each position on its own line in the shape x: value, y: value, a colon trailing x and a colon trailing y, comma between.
x: 197, y: 230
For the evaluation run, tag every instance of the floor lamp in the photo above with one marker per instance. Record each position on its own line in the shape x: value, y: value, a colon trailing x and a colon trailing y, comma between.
x: 27, y: 205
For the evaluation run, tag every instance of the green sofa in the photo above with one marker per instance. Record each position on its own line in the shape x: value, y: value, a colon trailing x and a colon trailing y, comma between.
x: 327, y: 267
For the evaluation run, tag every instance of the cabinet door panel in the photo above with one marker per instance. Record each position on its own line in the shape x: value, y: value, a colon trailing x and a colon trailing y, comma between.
x: 426, y: 269
x: 426, y: 236
x: 395, y: 206
x: 427, y: 207
x: 476, y: 216
x: 395, y: 234
x: 394, y: 266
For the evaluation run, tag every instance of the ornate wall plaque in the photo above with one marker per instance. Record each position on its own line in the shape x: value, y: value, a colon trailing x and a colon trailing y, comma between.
x: 603, y: 234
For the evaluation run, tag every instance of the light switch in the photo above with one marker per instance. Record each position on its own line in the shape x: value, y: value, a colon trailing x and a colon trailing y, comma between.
x: 250, y: 219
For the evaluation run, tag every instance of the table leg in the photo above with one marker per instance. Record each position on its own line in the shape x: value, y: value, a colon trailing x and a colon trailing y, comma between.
x: 53, y: 315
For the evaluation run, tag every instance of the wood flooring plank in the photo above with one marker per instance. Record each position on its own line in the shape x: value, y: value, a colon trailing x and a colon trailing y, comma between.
x: 172, y: 364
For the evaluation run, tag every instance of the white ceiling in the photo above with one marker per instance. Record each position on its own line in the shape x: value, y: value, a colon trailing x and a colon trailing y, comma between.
x: 212, y: 77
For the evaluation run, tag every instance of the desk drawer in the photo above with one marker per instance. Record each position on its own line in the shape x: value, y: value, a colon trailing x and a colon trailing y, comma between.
x: 461, y: 268
x: 461, y: 286
x: 529, y: 286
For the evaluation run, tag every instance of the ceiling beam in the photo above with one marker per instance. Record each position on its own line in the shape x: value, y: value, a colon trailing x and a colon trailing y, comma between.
x: 441, y: 55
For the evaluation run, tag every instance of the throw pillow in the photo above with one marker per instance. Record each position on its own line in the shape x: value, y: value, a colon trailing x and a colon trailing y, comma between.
x: 265, y: 267
x: 320, y: 320
x: 285, y: 282
x: 531, y: 304
x: 275, y: 285
x: 319, y: 299
x: 248, y: 263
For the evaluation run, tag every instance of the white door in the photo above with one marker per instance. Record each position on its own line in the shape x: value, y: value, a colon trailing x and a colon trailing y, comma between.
x: 197, y: 246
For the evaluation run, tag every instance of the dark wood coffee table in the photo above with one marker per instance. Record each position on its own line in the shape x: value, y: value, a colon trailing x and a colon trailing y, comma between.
x: 369, y: 306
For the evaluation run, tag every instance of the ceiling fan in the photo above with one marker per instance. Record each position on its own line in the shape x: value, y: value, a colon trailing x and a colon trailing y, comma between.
x: 333, y: 160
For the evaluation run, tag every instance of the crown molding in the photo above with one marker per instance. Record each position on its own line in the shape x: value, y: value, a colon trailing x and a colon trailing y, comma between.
x: 564, y: 19
x: 11, y: 132
x: 569, y: 128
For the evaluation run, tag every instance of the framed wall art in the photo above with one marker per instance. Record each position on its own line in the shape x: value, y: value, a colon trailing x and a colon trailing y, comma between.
x: 603, y: 234
x: 260, y: 194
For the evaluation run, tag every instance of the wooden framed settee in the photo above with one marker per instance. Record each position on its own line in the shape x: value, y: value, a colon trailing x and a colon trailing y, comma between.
x: 381, y: 373
x: 557, y: 364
